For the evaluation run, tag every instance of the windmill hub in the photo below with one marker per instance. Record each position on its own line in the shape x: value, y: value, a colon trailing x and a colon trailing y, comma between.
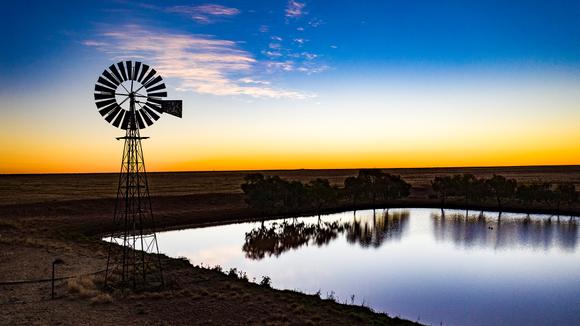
x: 130, y: 95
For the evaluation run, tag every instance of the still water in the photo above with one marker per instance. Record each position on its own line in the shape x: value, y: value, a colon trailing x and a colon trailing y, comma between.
x: 437, y: 267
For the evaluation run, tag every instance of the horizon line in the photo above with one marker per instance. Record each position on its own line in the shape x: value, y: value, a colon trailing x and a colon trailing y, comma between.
x: 313, y: 169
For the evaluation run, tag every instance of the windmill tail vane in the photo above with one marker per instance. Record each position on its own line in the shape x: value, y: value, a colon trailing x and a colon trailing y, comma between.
x: 130, y: 96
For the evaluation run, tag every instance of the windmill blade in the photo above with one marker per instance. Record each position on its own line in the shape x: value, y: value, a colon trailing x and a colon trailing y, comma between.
x: 116, y: 73
x: 121, y: 66
x: 143, y: 71
x: 159, y: 102
x: 136, y: 71
x: 111, y: 78
x: 153, y: 82
x: 155, y: 107
x: 129, y: 65
x: 103, y: 96
x: 173, y: 107
x: 140, y: 123
x: 113, y: 113
x: 121, y: 117
x: 145, y: 117
x: 105, y: 103
x: 126, y: 119
x: 156, y: 88
x: 151, y: 73
x: 106, y: 110
x: 160, y: 94
x: 107, y: 83
x: 152, y: 113
x: 99, y: 88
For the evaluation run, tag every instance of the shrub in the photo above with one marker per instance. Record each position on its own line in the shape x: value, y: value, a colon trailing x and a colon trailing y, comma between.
x: 233, y: 272
x: 102, y: 298
x: 266, y: 281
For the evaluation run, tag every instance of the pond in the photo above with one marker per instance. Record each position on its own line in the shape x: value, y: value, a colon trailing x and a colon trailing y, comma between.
x: 427, y: 265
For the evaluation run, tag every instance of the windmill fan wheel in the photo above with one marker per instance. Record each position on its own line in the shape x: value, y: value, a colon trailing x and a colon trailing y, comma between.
x: 130, y: 94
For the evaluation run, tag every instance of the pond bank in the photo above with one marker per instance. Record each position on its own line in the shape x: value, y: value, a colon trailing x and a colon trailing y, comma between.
x: 33, y: 235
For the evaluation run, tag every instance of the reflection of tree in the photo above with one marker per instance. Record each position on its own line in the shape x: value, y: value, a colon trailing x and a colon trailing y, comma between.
x: 373, y: 232
x: 280, y: 237
x: 504, y: 233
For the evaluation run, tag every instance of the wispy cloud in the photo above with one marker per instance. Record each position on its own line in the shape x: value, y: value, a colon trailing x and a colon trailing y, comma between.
x: 287, y: 65
x: 263, y: 29
x: 300, y: 41
x: 204, y: 14
x: 315, y: 22
x: 201, y: 63
x: 247, y: 80
x: 295, y: 9
x: 94, y: 43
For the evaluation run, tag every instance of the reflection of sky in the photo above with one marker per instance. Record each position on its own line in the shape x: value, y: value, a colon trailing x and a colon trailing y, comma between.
x: 507, y: 232
x: 425, y: 271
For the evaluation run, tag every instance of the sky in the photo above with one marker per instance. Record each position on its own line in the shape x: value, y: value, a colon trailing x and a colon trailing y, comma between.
x: 296, y: 84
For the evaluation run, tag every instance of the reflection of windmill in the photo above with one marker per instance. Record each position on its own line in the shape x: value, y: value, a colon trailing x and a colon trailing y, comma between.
x: 129, y: 96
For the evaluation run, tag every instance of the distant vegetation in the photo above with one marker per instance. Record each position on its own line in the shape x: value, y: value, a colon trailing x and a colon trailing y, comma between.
x: 502, y: 190
x: 272, y: 194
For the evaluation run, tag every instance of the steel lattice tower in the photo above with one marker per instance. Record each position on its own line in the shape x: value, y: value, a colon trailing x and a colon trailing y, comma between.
x: 129, y: 95
x: 133, y: 217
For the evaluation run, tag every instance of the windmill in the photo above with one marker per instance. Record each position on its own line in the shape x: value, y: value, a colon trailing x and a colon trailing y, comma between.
x: 130, y: 95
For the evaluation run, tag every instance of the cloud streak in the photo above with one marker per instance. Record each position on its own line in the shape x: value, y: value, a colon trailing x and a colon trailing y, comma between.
x: 295, y: 9
x: 204, y: 14
x: 201, y: 63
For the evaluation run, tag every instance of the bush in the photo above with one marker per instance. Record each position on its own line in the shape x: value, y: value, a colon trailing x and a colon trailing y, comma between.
x: 266, y: 281
x: 233, y: 272
x: 102, y: 298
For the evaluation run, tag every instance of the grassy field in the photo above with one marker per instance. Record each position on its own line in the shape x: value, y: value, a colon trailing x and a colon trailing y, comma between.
x: 36, y: 188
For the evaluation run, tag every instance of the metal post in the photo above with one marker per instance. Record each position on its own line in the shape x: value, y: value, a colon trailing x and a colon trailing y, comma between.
x: 57, y: 261
x: 52, y: 283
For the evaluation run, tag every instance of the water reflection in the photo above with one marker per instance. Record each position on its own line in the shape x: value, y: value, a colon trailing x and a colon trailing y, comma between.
x: 382, y: 227
x: 505, y: 232
x: 446, y: 268
x: 367, y: 231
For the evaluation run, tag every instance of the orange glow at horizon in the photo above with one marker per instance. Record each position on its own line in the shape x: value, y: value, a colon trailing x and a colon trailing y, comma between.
x: 452, y: 126
x: 106, y: 157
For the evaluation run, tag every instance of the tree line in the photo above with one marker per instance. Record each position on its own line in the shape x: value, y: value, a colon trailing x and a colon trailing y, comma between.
x: 272, y: 194
x: 501, y: 190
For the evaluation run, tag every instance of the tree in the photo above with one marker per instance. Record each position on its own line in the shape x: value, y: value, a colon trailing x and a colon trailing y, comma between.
x: 371, y: 182
x: 501, y: 188
x: 321, y: 193
x: 353, y: 188
x: 443, y: 186
x: 396, y: 187
x: 535, y: 193
x: 467, y: 184
x: 255, y: 192
x: 297, y: 195
x: 566, y: 192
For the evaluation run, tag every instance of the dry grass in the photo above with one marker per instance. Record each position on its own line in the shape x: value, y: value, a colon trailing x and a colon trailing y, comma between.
x: 102, y: 298
x: 85, y: 287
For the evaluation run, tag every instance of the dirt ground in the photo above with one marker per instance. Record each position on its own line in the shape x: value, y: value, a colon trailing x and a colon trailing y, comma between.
x: 47, y: 216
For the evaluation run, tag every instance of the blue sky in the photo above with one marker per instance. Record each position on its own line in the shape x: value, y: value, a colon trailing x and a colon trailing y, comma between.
x: 295, y: 74
x: 352, y: 35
